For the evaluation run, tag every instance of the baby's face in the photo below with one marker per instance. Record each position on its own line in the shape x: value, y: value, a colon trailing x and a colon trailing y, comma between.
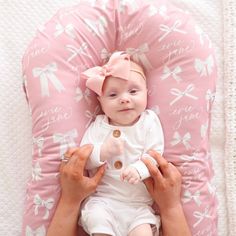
x: 124, y: 100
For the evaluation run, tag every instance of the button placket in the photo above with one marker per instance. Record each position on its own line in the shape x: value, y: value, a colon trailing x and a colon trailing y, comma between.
x: 117, y: 164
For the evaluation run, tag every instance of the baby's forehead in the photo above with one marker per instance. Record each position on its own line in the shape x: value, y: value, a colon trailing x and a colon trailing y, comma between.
x: 136, y: 79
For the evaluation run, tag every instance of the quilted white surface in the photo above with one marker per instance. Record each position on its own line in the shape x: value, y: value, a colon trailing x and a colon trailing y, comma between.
x: 18, y: 21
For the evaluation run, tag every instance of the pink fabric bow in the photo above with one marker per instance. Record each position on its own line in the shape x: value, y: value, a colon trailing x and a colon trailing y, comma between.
x: 117, y: 66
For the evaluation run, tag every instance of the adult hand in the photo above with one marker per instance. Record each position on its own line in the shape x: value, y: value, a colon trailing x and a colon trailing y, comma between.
x: 74, y: 184
x: 165, y: 184
x: 75, y: 187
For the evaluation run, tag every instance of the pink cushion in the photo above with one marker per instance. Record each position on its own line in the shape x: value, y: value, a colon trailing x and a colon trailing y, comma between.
x: 181, y: 71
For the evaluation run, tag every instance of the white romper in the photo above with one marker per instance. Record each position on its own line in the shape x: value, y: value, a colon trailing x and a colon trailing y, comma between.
x: 117, y: 207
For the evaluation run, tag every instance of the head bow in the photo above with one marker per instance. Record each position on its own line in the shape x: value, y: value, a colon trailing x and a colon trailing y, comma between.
x: 117, y: 66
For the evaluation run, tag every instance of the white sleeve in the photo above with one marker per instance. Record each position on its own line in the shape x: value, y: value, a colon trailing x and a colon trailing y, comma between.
x: 154, y: 140
x: 91, y: 137
x: 155, y: 137
x: 142, y: 168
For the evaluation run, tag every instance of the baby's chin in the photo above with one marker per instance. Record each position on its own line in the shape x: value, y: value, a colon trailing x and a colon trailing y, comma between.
x: 123, y: 123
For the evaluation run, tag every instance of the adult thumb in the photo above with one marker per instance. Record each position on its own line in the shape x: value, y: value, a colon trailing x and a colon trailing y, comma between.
x: 100, y: 172
x: 149, y: 185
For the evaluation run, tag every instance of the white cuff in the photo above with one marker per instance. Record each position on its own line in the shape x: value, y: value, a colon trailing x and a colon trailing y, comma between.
x: 94, y: 160
x: 142, y: 169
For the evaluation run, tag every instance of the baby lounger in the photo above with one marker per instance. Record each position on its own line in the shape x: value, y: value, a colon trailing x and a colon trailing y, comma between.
x: 181, y: 72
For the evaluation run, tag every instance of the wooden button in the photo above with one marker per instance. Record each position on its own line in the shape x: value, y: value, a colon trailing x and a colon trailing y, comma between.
x: 116, y: 133
x: 118, y: 165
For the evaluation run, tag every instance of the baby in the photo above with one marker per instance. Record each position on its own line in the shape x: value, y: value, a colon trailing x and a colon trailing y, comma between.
x: 127, y: 130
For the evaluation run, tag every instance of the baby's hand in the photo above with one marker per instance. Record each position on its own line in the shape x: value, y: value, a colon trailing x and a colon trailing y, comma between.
x: 131, y: 175
x: 112, y: 146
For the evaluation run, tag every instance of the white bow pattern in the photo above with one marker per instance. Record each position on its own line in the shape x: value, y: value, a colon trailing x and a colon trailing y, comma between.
x: 91, y: 115
x: 204, y: 68
x: 36, y: 172
x: 179, y: 94
x: 77, y: 51
x: 202, y: 35
x: 153, y: 10
x: 188, y: 196
x: 66, y: 140
x: 39, y: 141
x: 204, y: 129
x: 138, y: 55
x: 210, y: 95
x: 201, y: 216
x: 68, y: 29
x: 211, y: 188
x: 47, y: 204
x: 167, y: 73
x: 105, y: 55
x: 98, y: 26
x: 79, y: 95
x: 187, y: 158
x: 41, y: 231
x: 168, y: 30
x: 45, y: 74
x: 184, y: 140
x: 163, y: 12
x: 124, y: 3
x: 103, y: 4
x: 87, y: 95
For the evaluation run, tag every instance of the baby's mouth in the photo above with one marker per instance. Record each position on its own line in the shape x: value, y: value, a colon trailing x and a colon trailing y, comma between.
x: 126, y: 109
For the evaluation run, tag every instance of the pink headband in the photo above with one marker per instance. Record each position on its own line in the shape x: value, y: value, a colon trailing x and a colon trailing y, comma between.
x: 119, y: 65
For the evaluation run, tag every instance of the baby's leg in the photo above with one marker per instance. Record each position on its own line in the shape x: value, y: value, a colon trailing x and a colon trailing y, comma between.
x: 141, y: 230
x: 97, y: 219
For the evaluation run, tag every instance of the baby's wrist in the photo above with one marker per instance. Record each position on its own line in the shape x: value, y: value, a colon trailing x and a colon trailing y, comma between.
x: 141, y: 169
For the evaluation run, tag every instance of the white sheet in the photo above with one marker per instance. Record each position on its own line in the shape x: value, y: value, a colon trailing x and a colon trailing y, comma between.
x: 18, y: 21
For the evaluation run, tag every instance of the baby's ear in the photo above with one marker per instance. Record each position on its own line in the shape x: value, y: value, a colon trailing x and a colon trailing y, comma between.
x: 99, y: 99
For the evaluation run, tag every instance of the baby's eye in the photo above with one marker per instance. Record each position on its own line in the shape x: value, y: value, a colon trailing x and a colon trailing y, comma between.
x: 133, y: 91
x: 112, y: 95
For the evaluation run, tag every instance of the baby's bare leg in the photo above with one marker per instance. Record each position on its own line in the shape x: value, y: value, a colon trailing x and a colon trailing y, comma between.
x: 141, y: 230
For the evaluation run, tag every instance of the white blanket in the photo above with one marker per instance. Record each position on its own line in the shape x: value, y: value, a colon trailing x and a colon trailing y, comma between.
x: 18, y: 23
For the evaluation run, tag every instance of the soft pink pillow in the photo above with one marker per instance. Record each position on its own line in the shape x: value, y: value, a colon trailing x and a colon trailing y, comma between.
x: 180, y: 65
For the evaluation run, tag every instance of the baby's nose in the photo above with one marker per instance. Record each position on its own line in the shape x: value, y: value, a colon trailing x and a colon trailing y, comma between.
x: 124, y: 99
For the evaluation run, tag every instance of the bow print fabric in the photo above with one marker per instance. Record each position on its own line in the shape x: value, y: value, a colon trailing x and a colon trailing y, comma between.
x: 41, y: 231
x: 66, y: 140
x: 47, y: 204
x: 46, y: 74
x: 180, y: 66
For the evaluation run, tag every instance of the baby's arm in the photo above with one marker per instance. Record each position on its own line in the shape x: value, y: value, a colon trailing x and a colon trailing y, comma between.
x: 154, y: 139
x: 112, y: 146
x: 102, y: 149
x: 137, y: 171
x: 91, y: 137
